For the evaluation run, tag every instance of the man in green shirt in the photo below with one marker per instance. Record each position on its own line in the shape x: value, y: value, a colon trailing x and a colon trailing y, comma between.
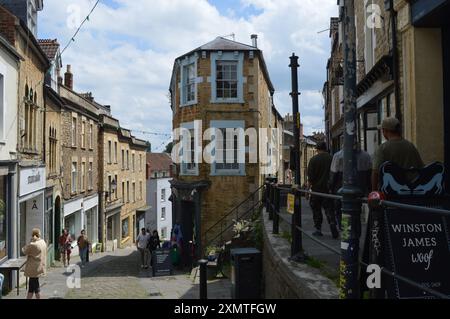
x: 396, y: 149
x: 318, y: 176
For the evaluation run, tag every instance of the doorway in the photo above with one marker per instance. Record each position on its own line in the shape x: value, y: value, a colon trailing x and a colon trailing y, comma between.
x: 58, y: 228
x: 187, y: 223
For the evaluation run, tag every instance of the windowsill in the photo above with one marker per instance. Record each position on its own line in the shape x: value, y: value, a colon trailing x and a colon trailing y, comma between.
x: 73, y: 146
x: 189, y: 103
x: 30, y: 151
x: 73, y: 193
x: 227, y: 101
x: 228, y: 173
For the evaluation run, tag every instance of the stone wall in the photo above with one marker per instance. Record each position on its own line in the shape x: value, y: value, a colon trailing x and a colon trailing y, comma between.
x: 287, y: 280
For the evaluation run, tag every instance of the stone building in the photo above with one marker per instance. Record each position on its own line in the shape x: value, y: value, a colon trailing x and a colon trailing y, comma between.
x: 79, y: 127
x: 122, y: 182
x: 220, y: 85
x: 53, y: 148
x: 307, y: 151
x: 333, y: 89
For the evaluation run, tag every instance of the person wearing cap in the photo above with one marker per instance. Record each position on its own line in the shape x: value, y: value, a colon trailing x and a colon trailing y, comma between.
x: 318, y: 176
x: 396, y: 150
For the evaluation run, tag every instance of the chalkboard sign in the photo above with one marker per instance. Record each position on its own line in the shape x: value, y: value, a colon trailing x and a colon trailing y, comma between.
x: 418, y: 243
x: 161, y: 262
x: 418, y: 249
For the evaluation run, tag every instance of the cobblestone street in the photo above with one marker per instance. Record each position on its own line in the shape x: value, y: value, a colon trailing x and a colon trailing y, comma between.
x: 117, y: 275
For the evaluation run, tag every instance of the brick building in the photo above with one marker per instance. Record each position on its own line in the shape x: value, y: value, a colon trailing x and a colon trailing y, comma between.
x: 122, y: 181
x: 222, y: 84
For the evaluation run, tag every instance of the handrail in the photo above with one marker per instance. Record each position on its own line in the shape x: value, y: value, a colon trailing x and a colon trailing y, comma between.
x: 234, y: 209
x: 384, y: 270
x: 430, y: 210
x: 229, y: 226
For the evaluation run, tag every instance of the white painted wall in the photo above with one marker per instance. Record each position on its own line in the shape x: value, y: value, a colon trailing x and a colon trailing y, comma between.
x: 153, y: 216
x: 8, y: 94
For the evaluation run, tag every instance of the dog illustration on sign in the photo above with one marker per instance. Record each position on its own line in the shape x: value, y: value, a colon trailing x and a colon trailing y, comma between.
x: 429, y: 182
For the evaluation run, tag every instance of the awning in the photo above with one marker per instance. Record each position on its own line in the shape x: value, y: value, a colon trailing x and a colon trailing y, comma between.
x: 430, y: 13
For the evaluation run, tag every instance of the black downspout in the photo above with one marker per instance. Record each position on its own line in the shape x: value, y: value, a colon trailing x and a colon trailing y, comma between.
x: 395, y: 65
x: 446, y: 80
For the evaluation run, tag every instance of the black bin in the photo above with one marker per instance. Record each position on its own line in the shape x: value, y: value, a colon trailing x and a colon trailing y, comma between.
x: 246, y: 273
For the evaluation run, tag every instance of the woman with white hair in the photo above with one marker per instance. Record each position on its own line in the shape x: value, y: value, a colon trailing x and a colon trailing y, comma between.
x: 36, y: 252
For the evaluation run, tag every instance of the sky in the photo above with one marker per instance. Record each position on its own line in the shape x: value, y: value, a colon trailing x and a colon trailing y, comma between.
x: 125, y: 52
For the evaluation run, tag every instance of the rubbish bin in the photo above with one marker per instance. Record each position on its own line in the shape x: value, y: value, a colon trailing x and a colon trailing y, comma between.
x: 246, y: 273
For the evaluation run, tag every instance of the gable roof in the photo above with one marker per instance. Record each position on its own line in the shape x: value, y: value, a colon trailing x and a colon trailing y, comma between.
x: 159, y: 161
x: 50, y: 47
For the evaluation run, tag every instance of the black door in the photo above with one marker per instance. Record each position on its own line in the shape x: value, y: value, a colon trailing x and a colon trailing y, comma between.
x: 187, y: 229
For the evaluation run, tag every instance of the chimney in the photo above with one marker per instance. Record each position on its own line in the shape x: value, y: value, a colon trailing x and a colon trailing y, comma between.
x: 68, y: 78
x: 254, y: 38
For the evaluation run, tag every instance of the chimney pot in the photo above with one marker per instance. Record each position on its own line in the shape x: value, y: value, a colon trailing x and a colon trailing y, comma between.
x: 254, y: 38
x: 68, y: 78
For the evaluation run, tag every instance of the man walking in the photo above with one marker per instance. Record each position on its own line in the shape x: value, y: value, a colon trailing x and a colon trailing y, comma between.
x: 364, y: 170
x: 318, y: 176
x: 83, y: 246
x: 396, y: 150
x: 141, y: 244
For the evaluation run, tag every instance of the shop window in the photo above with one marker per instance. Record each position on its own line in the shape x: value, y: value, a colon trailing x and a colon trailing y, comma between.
x: 125, y: 228
x: 48, y: 221
x: 3, y: 218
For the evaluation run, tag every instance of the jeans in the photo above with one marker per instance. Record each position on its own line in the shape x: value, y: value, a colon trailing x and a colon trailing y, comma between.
x: 317, y: 203
x: 144, y: 256
x: 83, y: 255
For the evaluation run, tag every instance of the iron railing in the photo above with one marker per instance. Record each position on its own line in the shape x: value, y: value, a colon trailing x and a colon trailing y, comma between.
x: 273, y: 208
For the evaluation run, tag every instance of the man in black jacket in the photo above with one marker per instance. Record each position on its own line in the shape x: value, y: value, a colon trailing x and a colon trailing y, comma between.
x: 318, y: 177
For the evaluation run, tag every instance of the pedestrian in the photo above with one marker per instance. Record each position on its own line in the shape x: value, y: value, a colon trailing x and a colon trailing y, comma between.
x: 396, y: 150
x: 65, y: 246
x: 36, y: 253
x: 364, y: 170
x: 154, y: 244
x: 83, y: 246
x: 318, y: 177
x: 142, y: 242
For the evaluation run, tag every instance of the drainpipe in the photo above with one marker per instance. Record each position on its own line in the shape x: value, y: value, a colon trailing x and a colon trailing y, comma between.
x: 395, y: 66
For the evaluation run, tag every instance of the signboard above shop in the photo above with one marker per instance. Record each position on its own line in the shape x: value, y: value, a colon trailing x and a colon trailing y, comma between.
x: 32, y: 179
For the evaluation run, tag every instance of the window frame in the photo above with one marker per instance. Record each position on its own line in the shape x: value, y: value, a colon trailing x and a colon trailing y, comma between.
x: 241, y: 149
x: 188, y: 61
x: 185, y: 171
x: 236, y: 57
x: 74, y: 178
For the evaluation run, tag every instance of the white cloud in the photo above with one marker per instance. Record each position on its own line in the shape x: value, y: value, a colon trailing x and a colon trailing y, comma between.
x: 124, y: 53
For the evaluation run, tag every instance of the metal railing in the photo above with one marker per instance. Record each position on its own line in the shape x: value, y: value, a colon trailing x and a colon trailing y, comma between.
x: 273, y: 208
x: 242, y: 211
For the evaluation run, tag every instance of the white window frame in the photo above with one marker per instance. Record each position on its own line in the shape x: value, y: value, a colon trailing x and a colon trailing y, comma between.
x: 163, y: 194
x: 2, y: 103
x: 163, y: 213
x: 232, y: 57
x: 74, y: 130
x: 184, y: 63
x: 241, y: 148
x: 90, y: 175
x: 370, y: 42
x: 184, y: 170
x: 74, y: 178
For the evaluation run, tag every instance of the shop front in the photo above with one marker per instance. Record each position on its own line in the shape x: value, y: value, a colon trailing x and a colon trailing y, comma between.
x: 31, y: 203
x: 113, y: 227
x: 90, y: 206
x: 8, y: 210
x: 73, y: 219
